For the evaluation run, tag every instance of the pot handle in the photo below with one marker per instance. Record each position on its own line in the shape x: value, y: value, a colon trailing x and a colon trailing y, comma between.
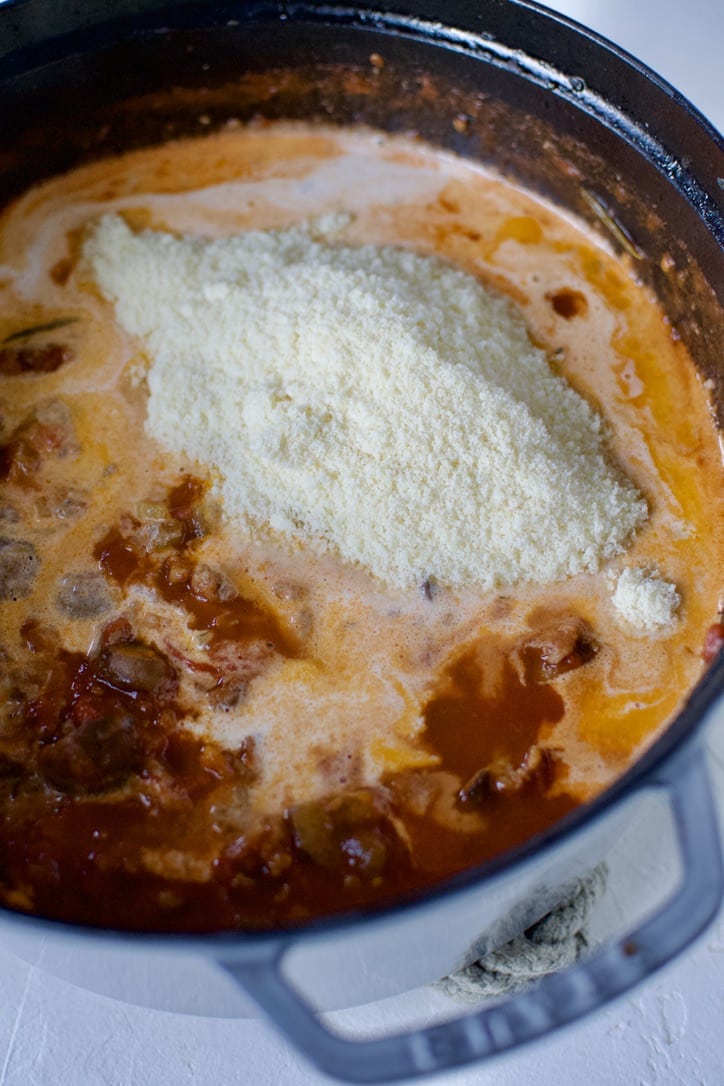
x: 557, y: 1000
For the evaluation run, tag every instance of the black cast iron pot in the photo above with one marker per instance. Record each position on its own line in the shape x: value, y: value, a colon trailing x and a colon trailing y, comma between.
x: 567, y: 115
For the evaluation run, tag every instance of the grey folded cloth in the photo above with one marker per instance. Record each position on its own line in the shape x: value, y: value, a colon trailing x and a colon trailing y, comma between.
x: 553, y: 943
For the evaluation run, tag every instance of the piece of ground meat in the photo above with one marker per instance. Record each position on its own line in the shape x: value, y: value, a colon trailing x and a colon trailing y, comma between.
x: 19, y: 566
x: 83, y: 595
x: 42, y: 359
x: 560, y: 647
x: 131, y: 665
x: 502, y: 778
x: 348, y: 833
x: 713, y: 642
x: 92, y: 757
x: 47, y: 431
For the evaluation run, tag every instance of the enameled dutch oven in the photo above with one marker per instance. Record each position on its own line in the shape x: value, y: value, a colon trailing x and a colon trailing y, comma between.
x: 569, y: 116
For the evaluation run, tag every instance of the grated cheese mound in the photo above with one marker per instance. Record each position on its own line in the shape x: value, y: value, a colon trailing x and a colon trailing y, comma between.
x: 645, y: 599
x: 379, y: 400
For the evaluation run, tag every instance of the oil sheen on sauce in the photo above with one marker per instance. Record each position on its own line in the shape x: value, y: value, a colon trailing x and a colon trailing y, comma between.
x: 205, y: 731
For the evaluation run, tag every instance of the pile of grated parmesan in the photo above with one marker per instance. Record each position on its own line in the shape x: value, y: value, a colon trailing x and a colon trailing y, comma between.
x: 374, y: 398
x: 645, y: 599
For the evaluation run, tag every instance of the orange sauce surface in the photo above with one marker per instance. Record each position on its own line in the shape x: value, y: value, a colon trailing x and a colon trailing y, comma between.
x: 201, y: 729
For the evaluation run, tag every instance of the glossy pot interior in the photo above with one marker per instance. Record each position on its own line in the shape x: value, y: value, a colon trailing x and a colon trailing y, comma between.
x: 536, y: 99
x: 498, y: 81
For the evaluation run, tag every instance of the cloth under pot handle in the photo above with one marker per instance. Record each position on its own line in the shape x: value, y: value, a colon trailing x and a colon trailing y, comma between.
x: 557, y: 1000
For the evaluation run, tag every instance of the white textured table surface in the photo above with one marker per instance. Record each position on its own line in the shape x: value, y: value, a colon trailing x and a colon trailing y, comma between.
x: 669, y: 1033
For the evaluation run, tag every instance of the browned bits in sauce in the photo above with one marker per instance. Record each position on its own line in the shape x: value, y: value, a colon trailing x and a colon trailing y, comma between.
x: 47, y: 432
x: 165, y: 561
x: 133, y: 666
x: 713, y: 641
x: 93, y: 756
x: 535, y: 772
x: 471, y: 726
x: 117, y: 815
x: 349, y: 833
x: 62, y: 270
x: 184, y: 505
x: 490, y: 734
x: 39, y: 638
x: 558, y: 648
x: 462, y: 123
x: 45, y: 359
x: 568, y: 303
x: 118, y: 558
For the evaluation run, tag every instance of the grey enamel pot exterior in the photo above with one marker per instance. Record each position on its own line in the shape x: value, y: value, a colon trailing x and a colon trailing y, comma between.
x: 549, y: 104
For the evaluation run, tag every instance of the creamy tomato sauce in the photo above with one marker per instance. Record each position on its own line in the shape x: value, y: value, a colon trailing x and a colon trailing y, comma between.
x: 204, y: 729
